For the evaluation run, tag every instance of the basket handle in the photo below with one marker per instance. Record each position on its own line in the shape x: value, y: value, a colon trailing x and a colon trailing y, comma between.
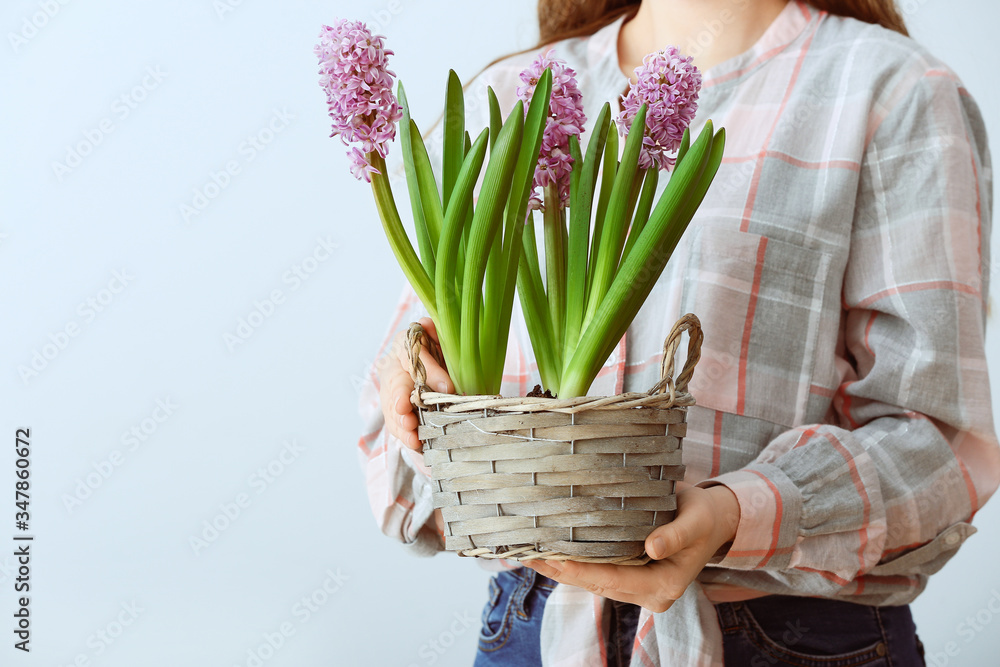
x: 416, y: 338
x: 692, y: 325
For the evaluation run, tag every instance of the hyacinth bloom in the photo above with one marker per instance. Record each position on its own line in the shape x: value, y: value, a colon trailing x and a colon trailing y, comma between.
x: 668, y: 84
x: 469, y: 250
x: 566, y: 119
x: 551, y: 184
x: 358, y: 83
x: 600, y: 269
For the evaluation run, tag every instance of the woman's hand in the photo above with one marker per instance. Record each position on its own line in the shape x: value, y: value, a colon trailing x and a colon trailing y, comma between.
x: 706, y: 520
x: 396, y: 385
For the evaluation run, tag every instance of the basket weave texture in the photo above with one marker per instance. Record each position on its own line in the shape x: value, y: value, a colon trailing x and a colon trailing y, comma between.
x: 584, y: 479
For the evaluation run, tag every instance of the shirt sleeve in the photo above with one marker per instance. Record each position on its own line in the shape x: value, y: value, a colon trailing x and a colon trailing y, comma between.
x: 399, y: 489
x: 892, y: 485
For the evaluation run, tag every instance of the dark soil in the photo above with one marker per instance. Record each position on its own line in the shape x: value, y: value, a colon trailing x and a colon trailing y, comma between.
x: 537, y: 393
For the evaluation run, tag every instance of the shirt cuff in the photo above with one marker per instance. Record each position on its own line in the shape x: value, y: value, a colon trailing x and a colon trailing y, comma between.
x: 770, y: 513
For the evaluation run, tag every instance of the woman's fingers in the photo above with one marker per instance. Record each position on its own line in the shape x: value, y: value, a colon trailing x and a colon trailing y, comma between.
x: 654, y: 586
x: 429, y: 328
x: 404, y: 422
x: 437, y: 377
x: 692, y: 523
x: 668, y: 539
x: 395, y: 386
x: 388, y: 369
x: 400, y: 388
x: 707, y: 519
x: 398, y: 385
x: 680, y: 550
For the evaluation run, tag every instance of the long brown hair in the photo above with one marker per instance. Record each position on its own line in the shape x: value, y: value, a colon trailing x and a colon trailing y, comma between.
x: 562, y: 19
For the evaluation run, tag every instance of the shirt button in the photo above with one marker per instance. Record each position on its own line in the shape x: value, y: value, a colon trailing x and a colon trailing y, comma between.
x: 880, y: 649
x: 951, y: 539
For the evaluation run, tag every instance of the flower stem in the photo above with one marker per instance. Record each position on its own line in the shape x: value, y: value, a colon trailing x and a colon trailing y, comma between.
x: 536, y: 314
x: 398, y: 240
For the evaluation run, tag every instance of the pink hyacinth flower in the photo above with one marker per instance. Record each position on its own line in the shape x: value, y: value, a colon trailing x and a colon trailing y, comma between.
x: 566, y: 119
x: 668, y: 84
x: 353, y: 67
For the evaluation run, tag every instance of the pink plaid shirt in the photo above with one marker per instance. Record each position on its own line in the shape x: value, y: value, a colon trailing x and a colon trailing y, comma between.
x: 839, y: 266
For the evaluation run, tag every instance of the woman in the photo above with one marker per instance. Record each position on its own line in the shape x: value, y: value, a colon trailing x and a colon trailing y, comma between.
x: 843, y: 437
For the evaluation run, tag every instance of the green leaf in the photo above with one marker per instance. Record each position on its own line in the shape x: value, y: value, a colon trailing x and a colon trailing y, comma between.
x: 486, y: 221
x: 499, y: 309
x: 496, y: 117
x: 430, y: 198
x: 608, y: 174
x: 575, y: 194
x: 616, y: 216
x: 685, y: 145
x: 396, y: 234
x: 640, y: 271
x: 454, y: 134
x: 530, y: 262
x: 460, y: 266
x: 555, y: 262
x: 448, y: 299
x: 581, y: 206
x: 642, y: 210
x: 427, y: 248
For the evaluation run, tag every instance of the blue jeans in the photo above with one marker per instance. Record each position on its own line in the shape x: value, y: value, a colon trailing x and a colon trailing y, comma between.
x: 776, y: 630
x: 512, y: 622
x: 512, y: 619
x: 815, y: 632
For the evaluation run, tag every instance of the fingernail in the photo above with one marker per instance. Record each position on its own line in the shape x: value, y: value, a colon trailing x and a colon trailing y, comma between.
x: 443, y: 387
x: 555, y: 565
x: 400, y: 419
x: 659, y: 548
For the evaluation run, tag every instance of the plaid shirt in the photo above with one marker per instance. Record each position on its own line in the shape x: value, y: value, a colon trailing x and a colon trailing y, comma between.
x: 839, y: 265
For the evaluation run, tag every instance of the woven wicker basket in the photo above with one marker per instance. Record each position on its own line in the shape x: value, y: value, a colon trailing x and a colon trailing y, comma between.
x: 583, y: 479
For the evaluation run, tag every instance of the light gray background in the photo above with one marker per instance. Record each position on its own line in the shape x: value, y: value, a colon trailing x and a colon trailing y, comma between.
x: 227, y: 68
